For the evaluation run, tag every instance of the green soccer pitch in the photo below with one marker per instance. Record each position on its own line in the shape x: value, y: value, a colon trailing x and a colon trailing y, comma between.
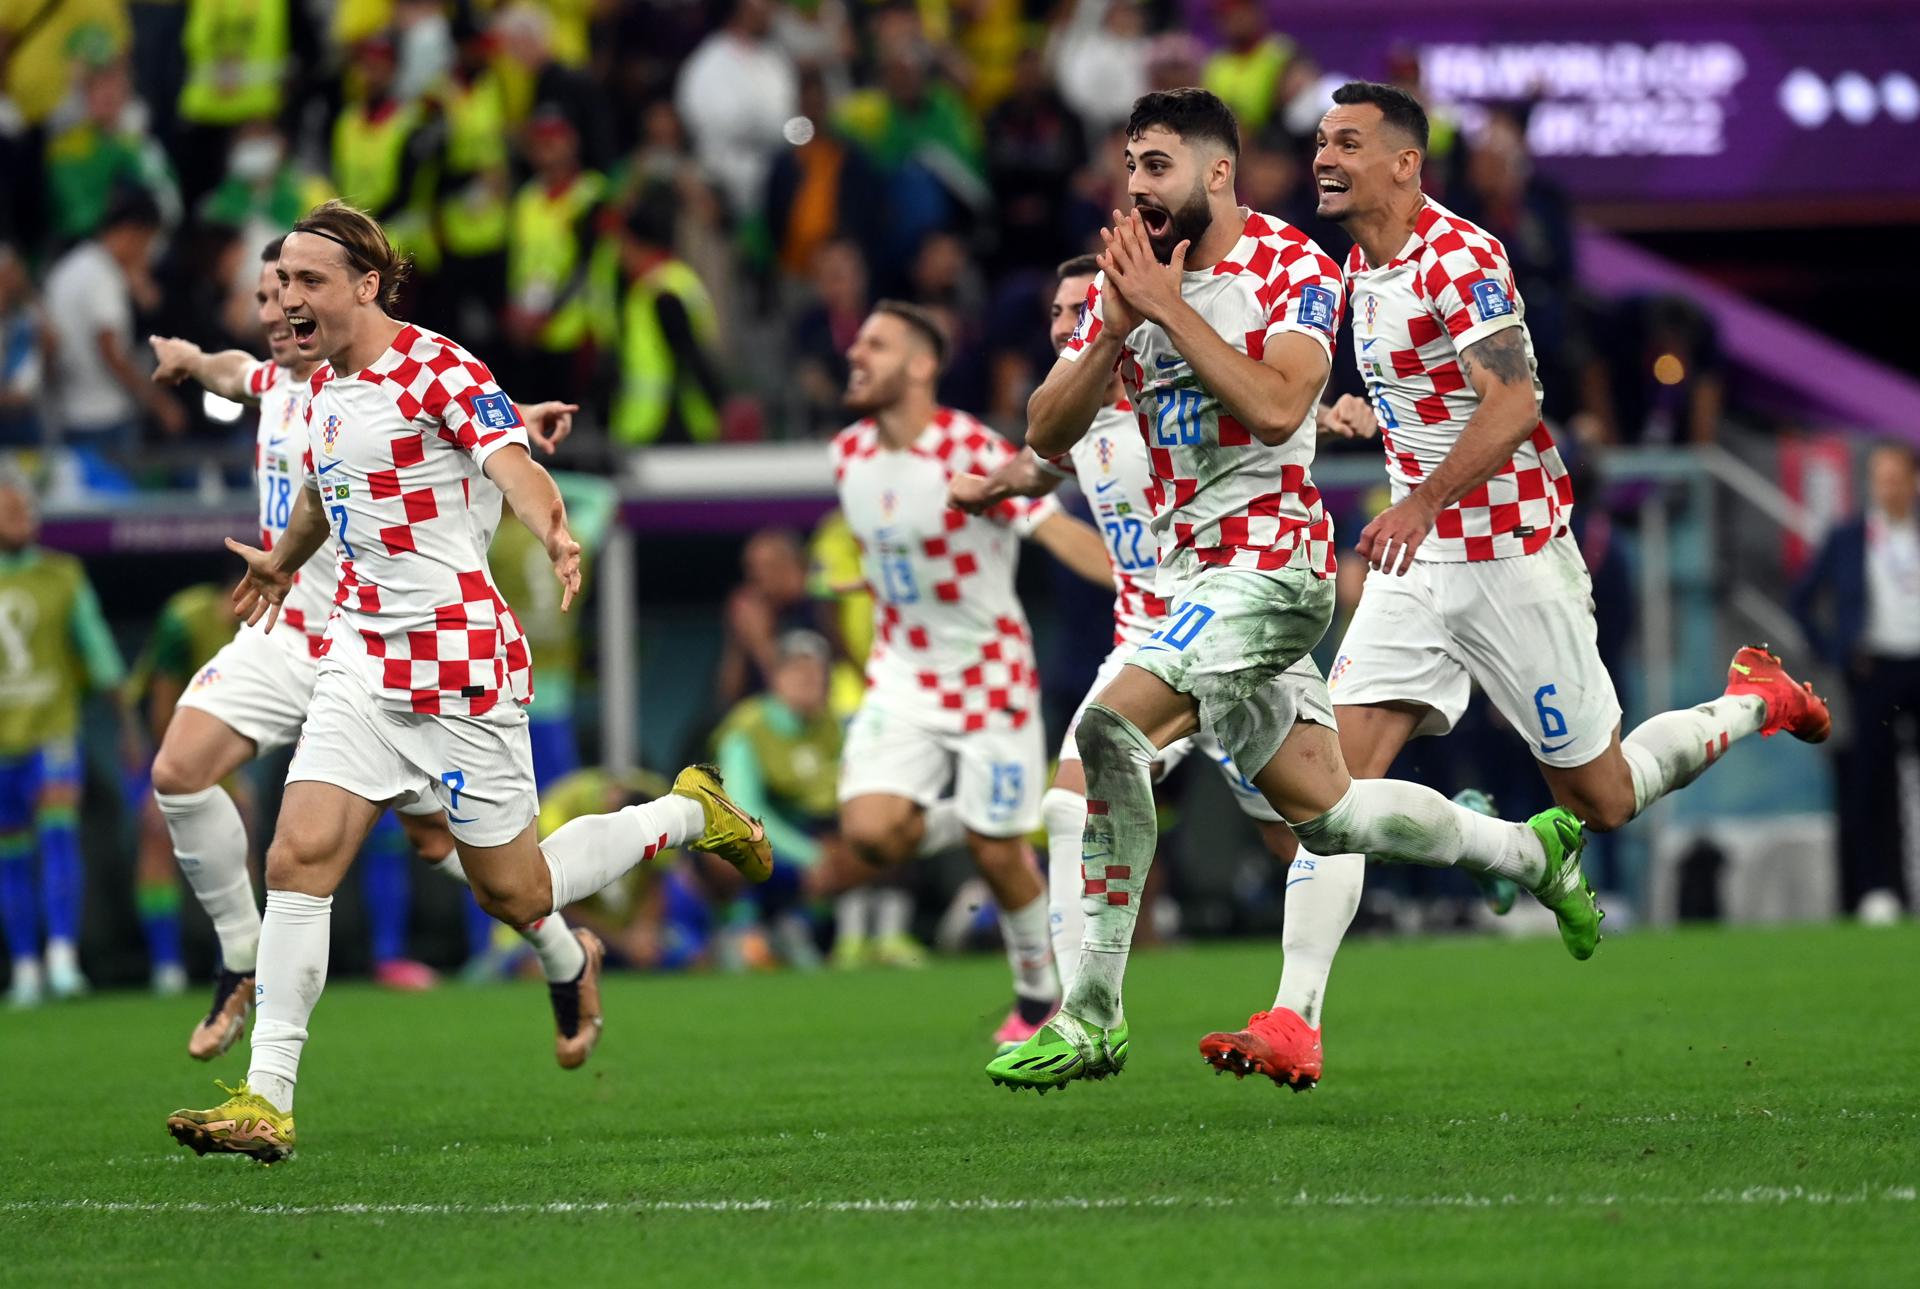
x: 1713, y: 1107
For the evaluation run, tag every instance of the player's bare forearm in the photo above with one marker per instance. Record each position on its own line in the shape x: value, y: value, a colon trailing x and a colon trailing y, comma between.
x: 1074, y: 543
x: 307, y: 530
x: 1269, y: 396
x: 535, y: 500
x: 1073, y: 393
x: 1020, y: 477
x: 1498, y: 370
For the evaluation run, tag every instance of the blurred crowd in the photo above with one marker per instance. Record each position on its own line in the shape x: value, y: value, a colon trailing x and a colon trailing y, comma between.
x: 676, y: 212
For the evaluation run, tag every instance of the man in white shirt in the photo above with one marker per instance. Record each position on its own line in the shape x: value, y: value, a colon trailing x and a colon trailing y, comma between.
x: 98, y: 393
x: 736, y: 94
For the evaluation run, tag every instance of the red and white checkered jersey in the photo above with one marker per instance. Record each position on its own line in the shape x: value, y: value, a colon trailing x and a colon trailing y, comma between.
x: 279, y: 448
x: 951, y: 643
x: 1111, y: 465
x: 1222, y: 498
x: 396, y: 452
x: 1448, y: 289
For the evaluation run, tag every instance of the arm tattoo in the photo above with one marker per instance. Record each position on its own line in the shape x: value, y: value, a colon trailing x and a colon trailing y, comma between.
x: 1504, y: 356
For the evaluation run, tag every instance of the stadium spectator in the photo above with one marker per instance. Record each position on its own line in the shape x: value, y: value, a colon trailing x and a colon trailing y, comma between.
x: 54, y: 647
x: 1033, y: 139
x: 1099, y: 59
x: 383, y: 153
x: 1859, y: 605
x: 550, y: 244
x: 263, y: 191
x: 236, y: 70
x: 669, y: 387
x: 195, y: 624
x: 107, y: 150
x: 820, y: 189
x: 91, y: 296
x: 547, y: 55
x: 1657, y: 378
x: 772, y: 601
x: 1254, y: 71
x: 818, y: 340
x: 474, y: 191
x: 22, y: 355
x: 736, y: 95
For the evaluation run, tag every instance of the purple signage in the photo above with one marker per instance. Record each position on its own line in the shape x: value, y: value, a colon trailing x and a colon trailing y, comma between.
x: 1739, y: 99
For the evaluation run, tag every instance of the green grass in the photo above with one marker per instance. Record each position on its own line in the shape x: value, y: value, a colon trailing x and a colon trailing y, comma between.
x: 1712, y: 1107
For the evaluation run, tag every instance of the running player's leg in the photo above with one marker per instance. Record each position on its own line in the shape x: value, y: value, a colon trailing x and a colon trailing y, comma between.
x: 1063, y: 813
x: 56, y: 821
x: 997, y: 789
x: 893, y: 774
x: 19, y: 896
x: 156, y: 897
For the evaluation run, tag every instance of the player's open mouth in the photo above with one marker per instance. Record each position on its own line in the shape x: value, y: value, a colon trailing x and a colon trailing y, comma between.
x: 301, y: 328
x: 1156, y: 220
x: 1330, y: 184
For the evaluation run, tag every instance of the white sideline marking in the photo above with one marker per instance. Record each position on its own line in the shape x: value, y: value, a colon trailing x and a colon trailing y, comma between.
x: 1749, y: 1196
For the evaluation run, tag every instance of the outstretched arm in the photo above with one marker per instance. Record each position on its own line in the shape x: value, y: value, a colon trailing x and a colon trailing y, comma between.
x: 1023, y: 476
x: 535, y: 501
x: 1074, y: 543
x: 270, y: 576
x: 1500, y: 374
x: 225, y: 373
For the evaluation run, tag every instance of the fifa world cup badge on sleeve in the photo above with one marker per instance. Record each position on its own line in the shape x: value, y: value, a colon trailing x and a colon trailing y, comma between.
x: 496, y: 411
x: 1490, y: 300
x: 1316, y: 308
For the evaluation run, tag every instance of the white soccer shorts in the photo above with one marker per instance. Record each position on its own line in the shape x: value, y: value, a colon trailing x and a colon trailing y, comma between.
x: 998, y: 775
x: 1521, y: 628
x: 479, y: 769
x: 1245, y: 795
x: 258, y: 685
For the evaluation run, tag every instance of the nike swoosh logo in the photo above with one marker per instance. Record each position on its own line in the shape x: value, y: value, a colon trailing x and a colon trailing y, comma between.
x: 330, y: 465
x: 1163, y: 361
x: 274, y: 443
x: 1102, y: 487
x: 460, y: 819
x: 1556, y: 746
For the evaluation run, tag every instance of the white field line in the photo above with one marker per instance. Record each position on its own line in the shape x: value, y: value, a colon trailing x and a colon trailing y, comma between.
x: 1744, y: 1197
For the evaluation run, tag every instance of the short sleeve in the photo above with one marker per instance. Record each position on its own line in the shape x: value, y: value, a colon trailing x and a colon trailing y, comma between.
x: 987, y: 453
x: 1305, y: 294
x: 263, y: 376
x: 476, y: 415
x: 306, y: 467
x: 1060, y: 467
x: 1090, y: 324
x: 1469, y: 287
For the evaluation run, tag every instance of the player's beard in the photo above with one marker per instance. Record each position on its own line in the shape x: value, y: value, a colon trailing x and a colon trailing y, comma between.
x: 876, y: 395
x: 1189, y: 223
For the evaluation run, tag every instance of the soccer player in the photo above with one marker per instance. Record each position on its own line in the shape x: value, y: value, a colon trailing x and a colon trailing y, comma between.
x: 422, y: 686
x: 1474, y: 578
x: 54, y: 646
x: 1221, y: 323
x: 953, y: 694
x: 1111, y: 465
x: 253, y: 697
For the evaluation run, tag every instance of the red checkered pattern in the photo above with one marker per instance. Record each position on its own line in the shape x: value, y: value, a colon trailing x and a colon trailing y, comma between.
x: 397, y: 452
x: 1412, y: 317
x: 279, y: 467
x: 950, y: 638
x: 1110, y: 463
x: 1223, y: 499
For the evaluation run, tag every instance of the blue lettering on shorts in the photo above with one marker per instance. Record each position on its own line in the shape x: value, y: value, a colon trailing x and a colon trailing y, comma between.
x: 1178, y: 631
x: 496, y: 411
x: 1009, y: 788
x: 456, y: 781
x: 1490, y: 300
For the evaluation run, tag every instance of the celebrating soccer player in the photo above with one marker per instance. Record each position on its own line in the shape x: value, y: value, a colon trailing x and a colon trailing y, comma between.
x: 1221, y: 321
x: 1111, y: 466
x: 423, y: 681
x: 952, y: 693
x: 253, y: 696
x: 1475, y: 579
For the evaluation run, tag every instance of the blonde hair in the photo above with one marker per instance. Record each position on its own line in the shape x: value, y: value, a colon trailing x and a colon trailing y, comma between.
x: 366, y: 243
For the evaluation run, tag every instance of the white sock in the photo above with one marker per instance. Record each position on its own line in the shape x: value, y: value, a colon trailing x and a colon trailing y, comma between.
x: 850, y: 915
x: 552, y: 940
x: 1395, y: 820
x: 943, y: 830
x: 590, y: 852
x: 1030, y: 950
x: 1065, y: 815
x: 1117, y: 851
x: 1671, y: 750
x: 294, y: 938
x: 892, y: 913
x: 1323, y: 893
x: 63, y: 956
x: 210, y: 843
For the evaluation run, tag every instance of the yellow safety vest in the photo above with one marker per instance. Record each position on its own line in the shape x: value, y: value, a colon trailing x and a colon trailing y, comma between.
x: 236, y: 60
x: 1247, y: 81
x: 369, y: 158
x: 650, y: 386
x: 473, y: 207
x: 546, y: 251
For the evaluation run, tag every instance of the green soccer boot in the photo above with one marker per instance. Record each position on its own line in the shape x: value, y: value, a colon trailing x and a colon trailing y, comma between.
x: 1565, y: 888
x: 1062, y: 1050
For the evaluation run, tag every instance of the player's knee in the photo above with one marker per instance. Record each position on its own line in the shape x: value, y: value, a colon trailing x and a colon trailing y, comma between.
x: 1106, y: 737
x: 292, y: 862
x: 880, y: 838
x: 1062, y: 811
x: 517, y: 906
x: 175, y: 775
x: 1604, y: 811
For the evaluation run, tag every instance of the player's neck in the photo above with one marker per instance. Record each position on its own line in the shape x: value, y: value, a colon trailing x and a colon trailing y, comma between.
x: 904, y: 422
x: 1222, y: 235
x: 303, y: 370
x: 1381, y: 235
x: 368, y: 341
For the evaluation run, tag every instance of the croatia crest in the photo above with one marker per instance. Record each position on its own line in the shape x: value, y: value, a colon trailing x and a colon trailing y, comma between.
x: 330, y: 433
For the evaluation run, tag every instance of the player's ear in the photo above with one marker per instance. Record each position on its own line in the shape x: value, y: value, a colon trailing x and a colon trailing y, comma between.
x: 1407, y: 164
x: 1220, y: 174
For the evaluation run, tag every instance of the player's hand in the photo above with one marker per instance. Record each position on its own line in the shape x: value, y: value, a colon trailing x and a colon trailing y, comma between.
x: 1388, y: 543
x: 1152, y: 289
x: 1350, y: 418
x: 1117, y: 312
x: 176, y: 359
x: 565, y: 554
x: 549, y: 424
x: 264, y: 588
x: 971, y: 493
